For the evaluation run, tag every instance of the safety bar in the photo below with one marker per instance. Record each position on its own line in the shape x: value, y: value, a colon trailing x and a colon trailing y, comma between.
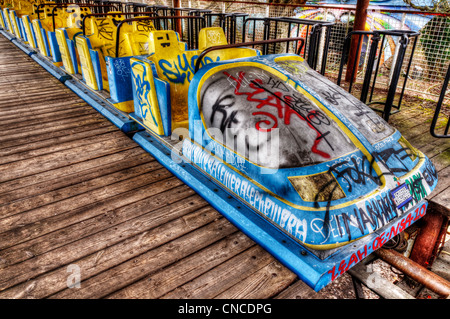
x: 111, y: 14
x: 235, y: 45
x: 65, y: 5
x: 149, y: 18
x: 314, y: 28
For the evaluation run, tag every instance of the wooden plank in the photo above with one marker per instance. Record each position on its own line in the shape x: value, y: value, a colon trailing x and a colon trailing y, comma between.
x: 67, y: 171
x: 378, y: 283
x: 17, y: 124
x: 83, y: 140
x: 103, y: 250
x: 40, y: 107
x: 71, y: 192
x: 97, y: 168
x: 60, y: 137
x: 124, y: 220
x: 42, y: 220
x: 263, y: 284
x: 38, y: 131
x: 224, y: 276
x: 341, y: 288
x: 185, y: 270
x: 198, y: 230
x: 74, y: 155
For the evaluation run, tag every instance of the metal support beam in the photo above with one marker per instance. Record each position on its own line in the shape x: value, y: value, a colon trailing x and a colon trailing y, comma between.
x: 413, y: 270
x: 355, y: 49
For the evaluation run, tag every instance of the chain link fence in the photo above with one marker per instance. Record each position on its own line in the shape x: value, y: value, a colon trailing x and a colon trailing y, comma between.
x: 431, y: 57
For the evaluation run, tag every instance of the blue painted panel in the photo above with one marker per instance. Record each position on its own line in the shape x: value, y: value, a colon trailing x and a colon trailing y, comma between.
x: 53, y: 48
x: 119, y: 77
x: 73, y: 55
x: 95, y: 58
x: 163, y: 96
x: 23, y: 34
x: 304, y: 262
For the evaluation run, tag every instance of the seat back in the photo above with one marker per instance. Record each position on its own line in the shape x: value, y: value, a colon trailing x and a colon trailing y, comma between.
x: 136, y: 37
x: 176, y: 67
x: 103, y: 33
x: 29, y: 31
x: 209, y: 37
x: 41, y: 38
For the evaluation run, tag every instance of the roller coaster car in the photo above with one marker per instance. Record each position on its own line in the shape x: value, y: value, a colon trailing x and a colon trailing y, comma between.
x: 11, y: 16
x: 162, y: 79
x: 105, y: 69
x: 305, y: 155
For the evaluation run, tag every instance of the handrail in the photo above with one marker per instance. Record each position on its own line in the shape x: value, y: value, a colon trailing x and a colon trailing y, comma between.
x: 438, y: 109
x: 111, y: 14
x: 332, y: 6
x: 229, y: 46
x: 63, y: 5
x: 47, y: 4
x: 148, y: 18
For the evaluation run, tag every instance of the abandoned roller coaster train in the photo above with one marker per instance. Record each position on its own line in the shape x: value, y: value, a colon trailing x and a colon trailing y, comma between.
x: 294, y: 161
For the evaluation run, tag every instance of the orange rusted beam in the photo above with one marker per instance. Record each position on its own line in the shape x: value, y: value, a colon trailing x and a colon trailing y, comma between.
x: 355, y: 51
x: 415, y: 271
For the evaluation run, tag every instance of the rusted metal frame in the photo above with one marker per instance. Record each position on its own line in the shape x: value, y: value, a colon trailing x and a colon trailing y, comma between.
x: 413, y: 270
x: 236, y: 45
x: 438, y: 110
x: 119, y: 26
x: 429, y: 238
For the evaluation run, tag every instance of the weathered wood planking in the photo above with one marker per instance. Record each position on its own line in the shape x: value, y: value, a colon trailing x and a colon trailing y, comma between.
x: 74, y: 190
x: 414, y: 123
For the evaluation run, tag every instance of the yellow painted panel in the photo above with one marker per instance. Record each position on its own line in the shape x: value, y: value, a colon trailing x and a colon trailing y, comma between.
x: 16, y: 30
x: 28, y: 31
x: 39, y: 37
x: 2, y: 22
x: 174, y: 66
x: 64, y: 49
x: 209, y: 37
x: 7, y: 18
x: 127, y: 106
x: 86, y: 62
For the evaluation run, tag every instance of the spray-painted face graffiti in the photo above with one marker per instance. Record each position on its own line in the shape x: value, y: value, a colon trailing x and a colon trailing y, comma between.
x: 247, y: 104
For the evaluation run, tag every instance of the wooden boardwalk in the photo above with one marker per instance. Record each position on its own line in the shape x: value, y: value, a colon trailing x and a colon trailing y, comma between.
x: 78, y: 196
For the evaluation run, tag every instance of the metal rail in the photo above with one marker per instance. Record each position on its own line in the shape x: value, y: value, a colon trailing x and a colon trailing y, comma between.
x: 412, y: 269
x: 405, y: 36
x: 235, y: 45
x: 66, y: 5
x: 110, y: 14
x: 119, y: 26
x: 438, y: 110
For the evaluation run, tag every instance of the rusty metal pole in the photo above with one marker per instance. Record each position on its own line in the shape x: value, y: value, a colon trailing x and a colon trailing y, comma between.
x: 177, y: 4
x: 424, y: 245
x: 413, y: 270
x: 355, y: 51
